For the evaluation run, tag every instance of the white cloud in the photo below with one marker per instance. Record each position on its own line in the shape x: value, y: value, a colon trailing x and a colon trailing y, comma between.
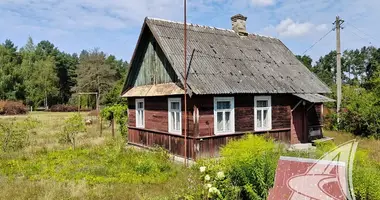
x: 289, y: 28
x: 84, y: 14
x: 321, y: 27
x: 263, y: 2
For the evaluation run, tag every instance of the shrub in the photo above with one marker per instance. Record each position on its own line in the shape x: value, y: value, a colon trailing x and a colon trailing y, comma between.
x: 14, y: 135
x: 63, y: 108
x: 119, y: 113
x: 363, y: 112
x: 71, y: 128
x: 12, y: 108
x: 249, y: 166
x: 330, y: 121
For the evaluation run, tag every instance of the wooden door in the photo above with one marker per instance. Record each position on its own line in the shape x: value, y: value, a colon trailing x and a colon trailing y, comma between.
x: 299, y: 123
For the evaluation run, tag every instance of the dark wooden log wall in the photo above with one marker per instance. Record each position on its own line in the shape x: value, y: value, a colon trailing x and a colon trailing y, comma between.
x: 244, y: 113
x: 202, y: 142
x: 152, y: 138
x: 156, y: 114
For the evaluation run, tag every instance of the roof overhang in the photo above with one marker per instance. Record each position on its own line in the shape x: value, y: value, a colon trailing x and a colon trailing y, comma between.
x: 314, y: 98
x: 154, y: 90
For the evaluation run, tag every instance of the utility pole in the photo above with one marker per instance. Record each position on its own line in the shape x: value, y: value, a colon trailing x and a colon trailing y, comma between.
x: 338, y: 22
x: 185, y: 74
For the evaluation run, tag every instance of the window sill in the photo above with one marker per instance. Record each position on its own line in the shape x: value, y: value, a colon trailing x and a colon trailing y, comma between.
x: 263, y: 130
x: 224, y: 133
x: 175, y: 133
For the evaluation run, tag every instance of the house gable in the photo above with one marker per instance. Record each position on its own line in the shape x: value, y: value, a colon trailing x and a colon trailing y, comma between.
x: 149, y: 65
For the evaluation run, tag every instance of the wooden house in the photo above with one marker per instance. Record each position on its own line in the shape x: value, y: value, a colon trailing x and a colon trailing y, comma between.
x: 237, y: 82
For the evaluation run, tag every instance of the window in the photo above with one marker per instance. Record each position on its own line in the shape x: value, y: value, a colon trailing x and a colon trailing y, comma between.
x: 140, y: 115
x: 263, y: 113
x: 174, y: 114
x: 224, y: 115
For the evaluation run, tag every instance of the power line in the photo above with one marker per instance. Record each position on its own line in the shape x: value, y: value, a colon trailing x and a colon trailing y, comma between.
x: 317, y: 42
x: 368, y: 35
x: 364, y: 39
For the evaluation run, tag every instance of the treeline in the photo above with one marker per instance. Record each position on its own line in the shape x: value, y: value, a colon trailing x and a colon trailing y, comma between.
x: 42, y: 75
x: 361, y: 89
x: 360, y: 67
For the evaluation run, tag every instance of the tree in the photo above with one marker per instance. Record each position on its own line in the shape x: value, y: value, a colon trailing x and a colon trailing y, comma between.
x: 10, y: 78
x: 8, y: 44
x: 306, y: 60
x: 325, y: 68
x: 41, y: 84
x: 29, y: 47
x: 94, y: 74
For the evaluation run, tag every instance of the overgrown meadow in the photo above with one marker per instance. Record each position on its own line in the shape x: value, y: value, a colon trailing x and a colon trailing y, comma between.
x: 55, y: 156
x: 52, y: 155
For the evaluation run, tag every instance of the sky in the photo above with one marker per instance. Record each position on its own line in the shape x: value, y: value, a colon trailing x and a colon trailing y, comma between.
x: 114, y: 25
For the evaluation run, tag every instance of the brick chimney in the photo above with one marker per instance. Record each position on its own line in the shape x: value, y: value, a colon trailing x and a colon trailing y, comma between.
x: 238, y: 24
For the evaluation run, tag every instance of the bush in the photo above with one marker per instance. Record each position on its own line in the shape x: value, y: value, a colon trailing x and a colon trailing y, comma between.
x: 72, y: 127
x: 63, y: 108
x: 249, y: 165
x: 12, y: 108
x: 119, y: 113
x: 363, y: 112
x: 14, y: 135
x: 330, y: 121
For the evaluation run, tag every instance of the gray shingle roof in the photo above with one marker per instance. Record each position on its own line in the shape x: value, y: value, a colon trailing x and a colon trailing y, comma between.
x: 225, y: 63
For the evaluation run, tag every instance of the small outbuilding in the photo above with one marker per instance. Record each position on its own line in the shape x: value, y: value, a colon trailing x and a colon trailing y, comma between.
x: 237, y: 83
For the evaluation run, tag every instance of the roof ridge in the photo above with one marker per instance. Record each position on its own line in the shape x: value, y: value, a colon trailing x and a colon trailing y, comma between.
x: 189, y: 24
x: 204, y: 26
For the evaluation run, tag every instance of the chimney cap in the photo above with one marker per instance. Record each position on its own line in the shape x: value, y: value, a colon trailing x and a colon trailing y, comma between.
x: 239, y: 16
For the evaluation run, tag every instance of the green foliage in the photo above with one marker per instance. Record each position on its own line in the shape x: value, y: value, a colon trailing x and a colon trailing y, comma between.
x: 324, y: 147
x: 104, y: 164
x: 71, y: 128
x: 306, y: 60
x: 363, y: 112
x: 119, y: 113
x: 366, y: 177
x: 249, y: 166
x: 14, y: 135
x: 41, y: 82
x: 42, y: 74
x: 95, y: 74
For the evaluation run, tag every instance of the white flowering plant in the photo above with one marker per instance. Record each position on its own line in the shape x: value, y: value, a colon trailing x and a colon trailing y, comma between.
x: 216, y: 184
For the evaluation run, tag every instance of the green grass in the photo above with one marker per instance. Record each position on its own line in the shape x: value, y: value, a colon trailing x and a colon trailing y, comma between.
x: 101, y: 167
x: 368, y: 144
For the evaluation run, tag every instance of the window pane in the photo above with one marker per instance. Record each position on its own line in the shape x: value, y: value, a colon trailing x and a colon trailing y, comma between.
x: 261, y: 104
x: 223, y: 105
x: 174, y: 105
x: 172, y: 121
x: 265, y: 120
x: 228, y: 121
x: 219, y: 119
x: 142, y: 117
x: 140, y: 105
x: 177, y: 121
x: 258, y: 119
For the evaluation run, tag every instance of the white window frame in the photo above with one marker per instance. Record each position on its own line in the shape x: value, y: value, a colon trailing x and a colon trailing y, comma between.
x: 170, y: 100
x: 269, y: 108
x: 232, y: 117
x: 142, y: 124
